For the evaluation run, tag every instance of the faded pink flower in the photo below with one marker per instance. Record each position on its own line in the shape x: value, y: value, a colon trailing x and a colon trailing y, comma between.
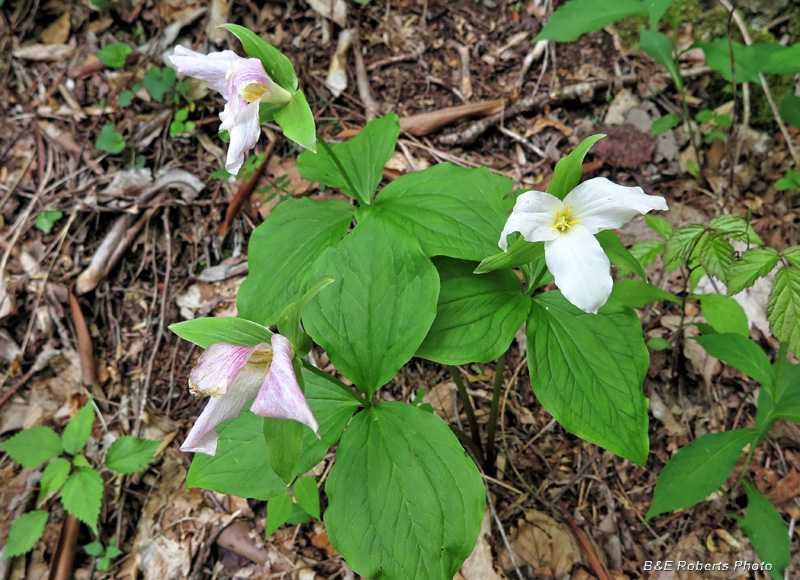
x: 244, y: 84
x: 232, y: 376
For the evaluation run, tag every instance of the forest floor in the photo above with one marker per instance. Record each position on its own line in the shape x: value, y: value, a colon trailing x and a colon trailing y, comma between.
x: 102, y: 252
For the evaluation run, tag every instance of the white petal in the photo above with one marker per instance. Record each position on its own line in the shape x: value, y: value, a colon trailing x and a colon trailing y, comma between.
x: 581, y: 268
x: 600, y: 204
x: 244, y: 130
x: 212, y: 68
x: 533, y: 216
x: 218, y: 367
x: 281, y: 397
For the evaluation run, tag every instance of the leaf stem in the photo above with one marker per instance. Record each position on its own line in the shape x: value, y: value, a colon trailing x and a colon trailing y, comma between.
x: 465, y: 402
x: 329, y: 150
x: 489, y: 467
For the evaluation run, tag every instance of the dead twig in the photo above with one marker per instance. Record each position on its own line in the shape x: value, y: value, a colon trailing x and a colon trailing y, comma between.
x: 65, y: 551
x: 245, y: 191
x: 586, y: 547
x: 362, y: 79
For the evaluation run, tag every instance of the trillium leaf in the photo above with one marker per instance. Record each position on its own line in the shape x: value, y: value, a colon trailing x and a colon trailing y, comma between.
x: 741, y: 353
x: 297, y: 121
x: 618, y: 254
x: 477, y: 316
x: 578, y: 17
x: 452, y: 211
x: 276, y: 65
x: 783, y: 308
x: 241, y: 467
x: 207, y: 331
x: 361, y: 158
x: 519, y: 253
x: 279, y: 508
x: 306, y: 494
x: 587, y: 370
x: 376, y: 314
x: 697, y: 470
x: 284, y: 441
x: 767, y: 531
x: 568, y: 171
x: 282, y: 252
x: 404, y: 499
x: 638, y: 293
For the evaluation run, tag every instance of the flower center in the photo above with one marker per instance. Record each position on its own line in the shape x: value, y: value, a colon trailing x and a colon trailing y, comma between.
x: 262, y: 359
x: 253, y: 91
x: 563, y: 221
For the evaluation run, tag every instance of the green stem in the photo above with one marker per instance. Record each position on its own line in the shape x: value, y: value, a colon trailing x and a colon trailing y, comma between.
x: 489, y: 467
x: 783, y: 350
x: 329, y: 150
x: 465, y: 402
x: 477, y: 453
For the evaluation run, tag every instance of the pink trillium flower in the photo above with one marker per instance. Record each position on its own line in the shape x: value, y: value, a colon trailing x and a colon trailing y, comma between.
x: 232, y: 376
x: 573, y: 255
x: 244, y: 84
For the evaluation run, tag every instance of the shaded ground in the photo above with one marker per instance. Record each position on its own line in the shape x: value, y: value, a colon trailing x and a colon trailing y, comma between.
x: 112, y: 341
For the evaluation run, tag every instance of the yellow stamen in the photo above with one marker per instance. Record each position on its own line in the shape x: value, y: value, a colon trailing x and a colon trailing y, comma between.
x: 253, y: 91
x: 562, y: 220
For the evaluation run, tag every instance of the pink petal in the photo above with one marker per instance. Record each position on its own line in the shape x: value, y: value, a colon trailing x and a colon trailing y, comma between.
x: 280, y: 397
x: 212, y: 68
x: 218, y: 366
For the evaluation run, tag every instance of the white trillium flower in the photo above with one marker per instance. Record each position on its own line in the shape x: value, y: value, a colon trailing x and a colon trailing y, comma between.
x: 232, y: 376
x: 244, y: 84
x: 573, y: 255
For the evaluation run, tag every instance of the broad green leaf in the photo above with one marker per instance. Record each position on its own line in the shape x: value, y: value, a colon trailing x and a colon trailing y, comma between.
x: 568, y: 171
x: 33, y: 447
x: 114, y: 55
x: 25, y: 532
x: 587, y: 370
x: 375, y: 316
x: 279, y: 508
x: 646, y: 252
x: 656, y: 9
x: 289, y: 324
x: 790, y: 110
x: 749, y: 267
x: 750, y: 60
x: 53, y: 477
x: 716, y: 256
x: 791, y: 180
x: 404, y: 499
x: 578, y: 17
x: 362, y: 159
x: 519, y: 253
x: 477, y: 316
x: 659, y: 225
x: 276, y: 65
x: 783, y: 308
x: 638, y: 293
x: 665, y: 123
x: 207, y: 331
x: 80, y: 461
x: 284, y: 441
x: 792, y: 255
x: 283, y: 250
x: 658, y: 343
x: 82, y: 495
x: 158, y: 81
x: 697, y: 470
x: 78, y: 430
x: 681, y: 244
x: 94, y: 549
x: 618, y: 253
x: 789, y: 414
x: 736, y: 228
x: 741, y: 353
x: 787, y: 386
x: 130, y: 454
x: 724, y: 314
x: 767, y: 531
x: 452, y: 211
x: 297, y: 121
x: 783, y: 59
x: 659, y: 47
x: 307, y: 495
x: 241, y: 467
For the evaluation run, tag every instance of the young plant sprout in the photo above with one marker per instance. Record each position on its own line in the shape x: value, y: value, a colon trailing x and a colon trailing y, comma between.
x: 575, y: 258
x: 235, y: 375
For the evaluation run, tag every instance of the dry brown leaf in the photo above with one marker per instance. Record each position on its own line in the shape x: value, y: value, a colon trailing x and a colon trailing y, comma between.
x: 335, y: 10
x: 542, y: 542
x: 691, y: 550
x: 336, y: 81
x: 58, y: 31
x: 44, y: 52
